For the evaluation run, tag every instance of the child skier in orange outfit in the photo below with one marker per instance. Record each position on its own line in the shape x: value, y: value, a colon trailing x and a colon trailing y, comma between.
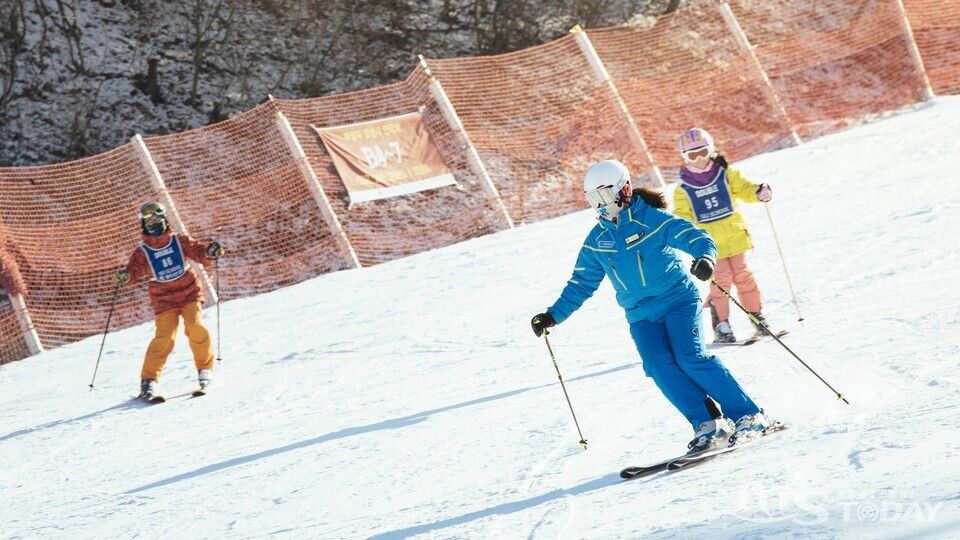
x: 706, y: 195
x: 174, y: 291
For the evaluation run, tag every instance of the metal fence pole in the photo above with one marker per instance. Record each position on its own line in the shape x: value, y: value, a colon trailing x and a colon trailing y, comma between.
x: 313, y: 184
x: 473, y: 157
x: 172, y: 213
x: 731, y: 21
x: 600, y: 71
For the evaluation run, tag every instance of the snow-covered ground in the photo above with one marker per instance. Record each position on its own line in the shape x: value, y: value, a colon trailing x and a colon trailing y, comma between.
x: 411, y: 399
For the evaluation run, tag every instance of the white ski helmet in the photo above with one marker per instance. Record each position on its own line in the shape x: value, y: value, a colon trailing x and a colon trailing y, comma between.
x: 693, y: 141
x: 602, y: 184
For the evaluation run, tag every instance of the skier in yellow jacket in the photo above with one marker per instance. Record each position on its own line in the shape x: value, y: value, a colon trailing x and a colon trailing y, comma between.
x: 707, y: 195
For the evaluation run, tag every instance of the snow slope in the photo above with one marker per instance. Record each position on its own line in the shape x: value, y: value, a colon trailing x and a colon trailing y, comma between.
x: 411, y: 399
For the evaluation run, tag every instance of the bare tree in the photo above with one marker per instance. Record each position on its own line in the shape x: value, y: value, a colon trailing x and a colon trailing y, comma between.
x: 502, y: 26
x: 81, y: 141
x: 12, y: 39
x: 208, y: 24
x: 65, y: 19
x: 227, y: 55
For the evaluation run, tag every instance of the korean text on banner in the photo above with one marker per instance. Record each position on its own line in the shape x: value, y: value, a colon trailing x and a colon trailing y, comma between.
x: 385, y: 158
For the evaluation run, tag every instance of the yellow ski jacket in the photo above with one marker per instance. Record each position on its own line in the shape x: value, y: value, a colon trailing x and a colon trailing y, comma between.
x: 730, y: 232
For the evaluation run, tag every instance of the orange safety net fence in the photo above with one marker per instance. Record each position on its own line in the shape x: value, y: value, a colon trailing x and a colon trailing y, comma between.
x: 834, y: 64
x: 238, y: 182
x: 936, y: 29
x: 12, y: 345
x: 538, y: 118
x: 687, y: 69
x: 383, y: 230
x: 69, y: 226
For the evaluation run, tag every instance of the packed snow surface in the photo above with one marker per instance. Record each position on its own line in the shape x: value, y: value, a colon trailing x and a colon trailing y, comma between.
x: 411, y: 399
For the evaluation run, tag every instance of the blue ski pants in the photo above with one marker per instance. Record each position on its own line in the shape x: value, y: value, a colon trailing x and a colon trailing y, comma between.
x: 675, y: 357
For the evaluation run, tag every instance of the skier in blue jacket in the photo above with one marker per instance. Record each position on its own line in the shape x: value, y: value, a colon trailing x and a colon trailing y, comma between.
x: 634, y: 244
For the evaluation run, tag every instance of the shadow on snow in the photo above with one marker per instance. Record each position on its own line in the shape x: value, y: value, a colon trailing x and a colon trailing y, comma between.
x: 505, y: 508
x: 394, y: 423
x: 132, y: 403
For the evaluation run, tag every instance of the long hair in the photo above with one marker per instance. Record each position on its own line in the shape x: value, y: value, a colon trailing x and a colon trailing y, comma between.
x: 721, y: 159
x: 651, y: 196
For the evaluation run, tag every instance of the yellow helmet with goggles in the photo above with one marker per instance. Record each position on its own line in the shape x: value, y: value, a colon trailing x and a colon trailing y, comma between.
x: 153, y: 218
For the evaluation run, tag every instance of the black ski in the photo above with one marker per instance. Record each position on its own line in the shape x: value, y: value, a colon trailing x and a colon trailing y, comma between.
x: 644, y: 470
x: 755, y: 338
x: 689, y: 461
x: 742, y: 343
x: 671, y: 464
x: 156, y: 398
x: 686, y: 461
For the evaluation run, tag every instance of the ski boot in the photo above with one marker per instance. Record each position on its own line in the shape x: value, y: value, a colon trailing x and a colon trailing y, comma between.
x: 763, y: 329
x: 722, y: 333
x: 711, y: 434
x: 760, y: 331
x: 148, y: 388
x: 205, y: 377
x: 752, y: 426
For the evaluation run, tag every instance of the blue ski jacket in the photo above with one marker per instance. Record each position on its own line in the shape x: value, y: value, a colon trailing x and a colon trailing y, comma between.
x: 638, y: 255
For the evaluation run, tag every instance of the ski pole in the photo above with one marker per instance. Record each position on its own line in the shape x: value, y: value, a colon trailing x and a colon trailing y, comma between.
x: 760, y: 324
x: 113, y: 304
x: 784, y: 263
x: 216, y: 286
x: 583, y: 442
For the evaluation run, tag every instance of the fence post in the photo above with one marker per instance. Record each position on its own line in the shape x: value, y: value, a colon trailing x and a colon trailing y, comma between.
x: 313, y: 184
x: 26, y: 325
x: 914, y: 52
x: 172, y: 214
x: 473, y: 157
x: 734, y: 26
x: 604, y: 77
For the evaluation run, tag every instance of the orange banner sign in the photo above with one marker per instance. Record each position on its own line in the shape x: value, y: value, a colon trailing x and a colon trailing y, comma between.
x: 385, y: 158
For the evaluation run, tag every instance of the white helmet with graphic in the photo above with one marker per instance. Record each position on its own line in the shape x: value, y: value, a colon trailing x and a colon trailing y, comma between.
x: 602, y: 185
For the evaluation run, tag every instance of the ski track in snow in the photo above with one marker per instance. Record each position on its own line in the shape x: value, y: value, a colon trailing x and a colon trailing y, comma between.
x: 410, y: 399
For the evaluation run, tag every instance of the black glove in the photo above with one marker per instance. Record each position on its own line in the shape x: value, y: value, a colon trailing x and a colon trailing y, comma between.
x: 541, y: 322
x: 702, y: 268
x: 215, y: 250
x: 121, y: 276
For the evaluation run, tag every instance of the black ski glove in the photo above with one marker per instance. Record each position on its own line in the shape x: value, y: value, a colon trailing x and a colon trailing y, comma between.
x: 541, y: 322
x: 215, y: 250
x: 702, y: 268
x: 121, y: 276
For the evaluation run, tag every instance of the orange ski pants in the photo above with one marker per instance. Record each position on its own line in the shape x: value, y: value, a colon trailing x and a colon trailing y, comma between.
x: 734, y: 271
x: 162, y: 344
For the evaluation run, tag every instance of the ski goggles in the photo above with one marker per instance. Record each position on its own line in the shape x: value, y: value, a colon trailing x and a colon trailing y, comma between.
x: 602, y: 196
x: 696, y: 153
x: 149, y: 210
